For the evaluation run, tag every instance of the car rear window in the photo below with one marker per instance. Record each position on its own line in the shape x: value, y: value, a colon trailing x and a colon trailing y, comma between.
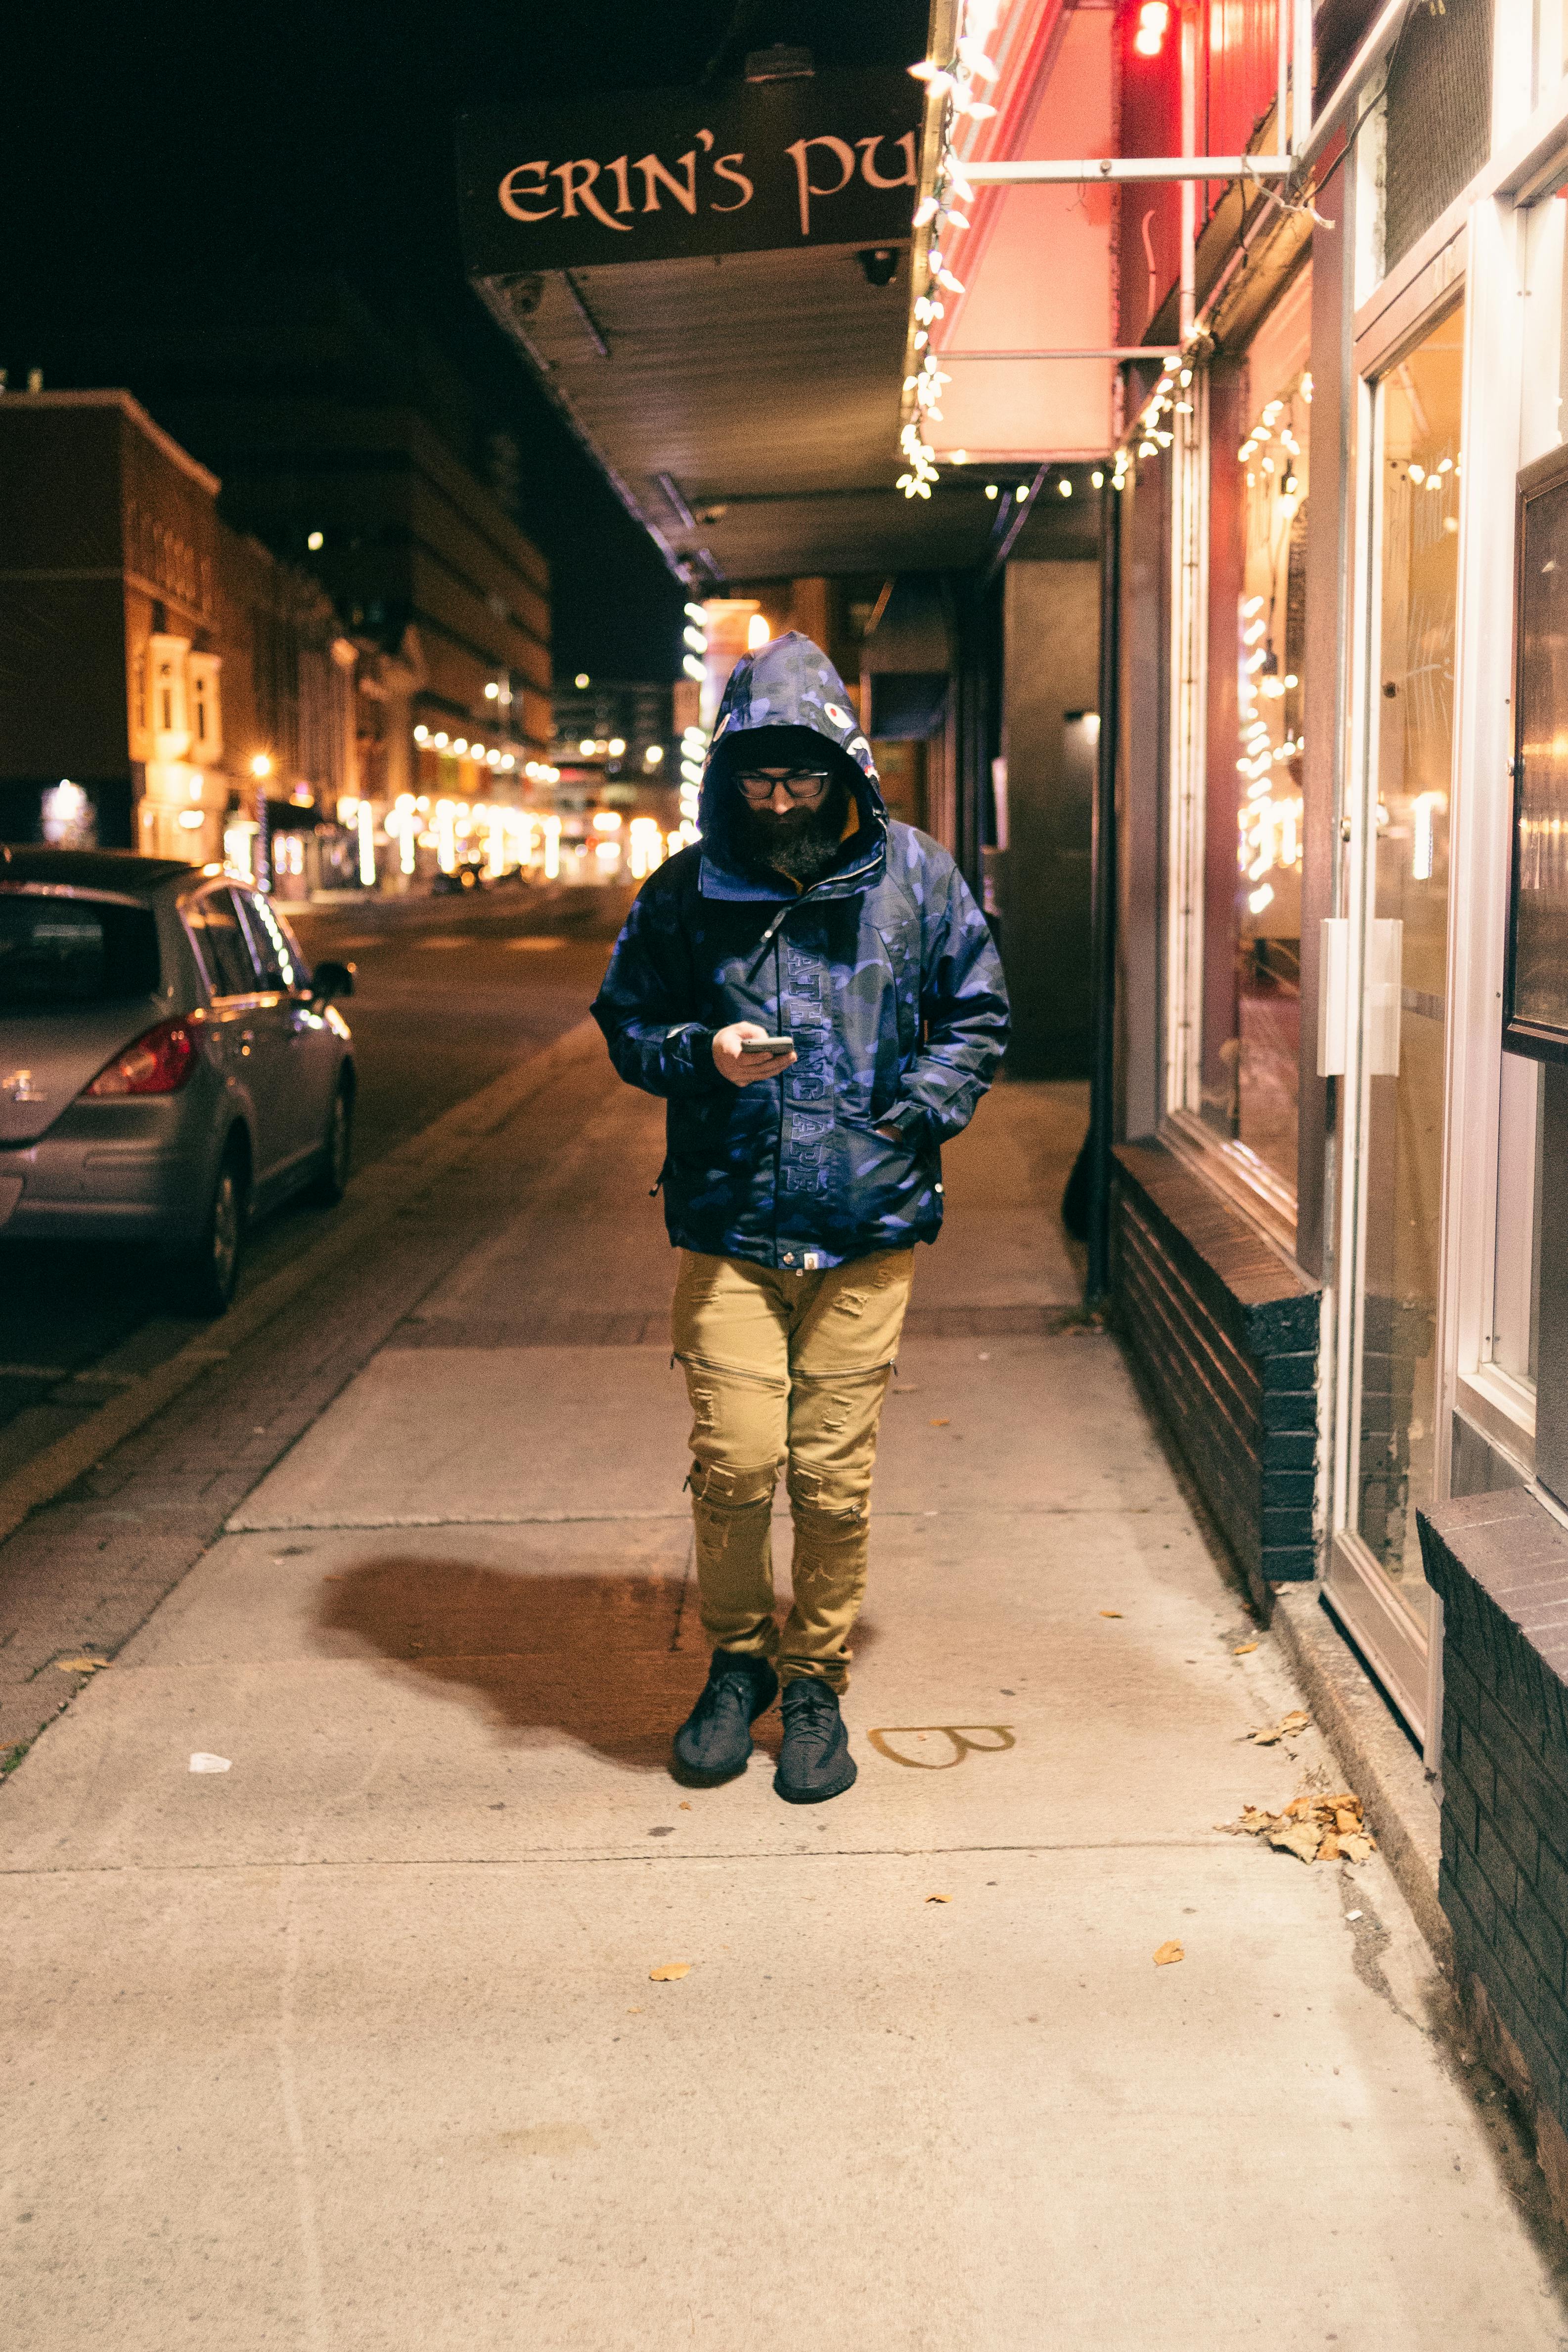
x: 66, y: 951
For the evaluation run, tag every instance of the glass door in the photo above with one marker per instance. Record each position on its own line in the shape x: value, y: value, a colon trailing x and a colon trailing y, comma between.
x: 1376, y: 1582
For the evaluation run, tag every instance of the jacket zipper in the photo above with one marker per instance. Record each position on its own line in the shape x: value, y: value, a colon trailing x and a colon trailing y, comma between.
x: 779, y: 1145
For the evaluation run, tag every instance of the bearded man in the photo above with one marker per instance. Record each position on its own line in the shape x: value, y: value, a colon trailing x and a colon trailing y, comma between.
x: 814, y: 990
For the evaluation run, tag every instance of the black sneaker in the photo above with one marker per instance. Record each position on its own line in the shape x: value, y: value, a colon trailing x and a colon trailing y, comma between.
x: 814, y: 1762
x: 715, y: 1742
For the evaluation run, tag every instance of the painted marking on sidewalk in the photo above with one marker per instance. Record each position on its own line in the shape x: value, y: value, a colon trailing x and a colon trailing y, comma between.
x: 958, y: 1733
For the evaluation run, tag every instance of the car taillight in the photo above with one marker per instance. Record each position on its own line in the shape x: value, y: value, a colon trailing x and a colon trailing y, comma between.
x: 158, y: 1063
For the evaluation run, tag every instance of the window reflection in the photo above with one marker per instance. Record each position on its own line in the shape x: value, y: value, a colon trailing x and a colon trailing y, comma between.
x: 1421, y: 467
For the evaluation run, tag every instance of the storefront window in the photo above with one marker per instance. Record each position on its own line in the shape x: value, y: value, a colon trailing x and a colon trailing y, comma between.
x: 1252, y: 949
x: 1407, y: 1004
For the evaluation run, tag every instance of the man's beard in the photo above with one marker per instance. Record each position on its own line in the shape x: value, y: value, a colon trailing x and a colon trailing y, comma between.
x: 805, y: 845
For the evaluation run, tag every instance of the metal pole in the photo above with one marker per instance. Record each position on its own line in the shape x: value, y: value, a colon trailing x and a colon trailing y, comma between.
x: 1301, y: 75
x: 1049, y: 172
x: 1102, y: 908
x: 1371, y: 54
x: 1187, y: 300
x: 1102, y: 352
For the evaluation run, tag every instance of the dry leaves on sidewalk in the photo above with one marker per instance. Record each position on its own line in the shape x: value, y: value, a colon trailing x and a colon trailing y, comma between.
x: 668, y: 1970
x: 1109, y: 1612
x: 1169, y: 1954
x: 1288, y: 1725
x: 83, y: 1665
x: 1314, y: 1829
x: 1243, y: 1649
x: 940, y: 1898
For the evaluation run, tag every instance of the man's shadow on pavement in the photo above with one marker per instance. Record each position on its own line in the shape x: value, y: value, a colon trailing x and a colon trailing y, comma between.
x: 611, y: 1659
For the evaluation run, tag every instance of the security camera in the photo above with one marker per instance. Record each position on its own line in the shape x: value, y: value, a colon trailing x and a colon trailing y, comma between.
x: 879, y: 263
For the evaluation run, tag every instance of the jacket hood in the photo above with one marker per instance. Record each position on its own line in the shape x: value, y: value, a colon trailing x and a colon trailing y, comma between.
x: 788, y: 682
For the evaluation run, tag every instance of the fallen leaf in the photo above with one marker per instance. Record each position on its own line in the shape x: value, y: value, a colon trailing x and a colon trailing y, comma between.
x: 940, y: 1898
x: 1300, y: 1808
x: 667, y: 1972
x: 1300, y: 1838
x: 1242, y: 1648
x: 1357, y: 1848
x: 1329, y: 1851
x: 633, y: 2013
x: 685, y: 1807
x: 201, y: 1762
x: 1347, y: 1823
x: 1167, y: 1954
x: 1109, y: 1612
x: 1286, y: 1728
x: 942, y: 1425
x: 83, y: 1665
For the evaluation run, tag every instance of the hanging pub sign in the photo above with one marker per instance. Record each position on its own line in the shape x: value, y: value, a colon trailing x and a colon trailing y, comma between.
x: 1536, y: 989
x: 651, y: 175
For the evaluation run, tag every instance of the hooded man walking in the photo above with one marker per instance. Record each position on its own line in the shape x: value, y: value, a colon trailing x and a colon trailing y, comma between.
x: 797, y: 1180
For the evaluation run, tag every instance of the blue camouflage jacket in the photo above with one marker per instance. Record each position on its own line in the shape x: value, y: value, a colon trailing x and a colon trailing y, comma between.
x: 884, y: 973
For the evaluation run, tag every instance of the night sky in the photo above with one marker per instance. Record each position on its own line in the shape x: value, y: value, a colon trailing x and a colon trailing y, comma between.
x: 318, y: 135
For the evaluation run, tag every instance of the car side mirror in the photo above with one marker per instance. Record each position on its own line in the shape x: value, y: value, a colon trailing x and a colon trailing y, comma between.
x: 330, y: 981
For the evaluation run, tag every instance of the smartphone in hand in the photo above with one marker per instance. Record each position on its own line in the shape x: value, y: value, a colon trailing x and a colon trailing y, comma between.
x: 768, y: 1045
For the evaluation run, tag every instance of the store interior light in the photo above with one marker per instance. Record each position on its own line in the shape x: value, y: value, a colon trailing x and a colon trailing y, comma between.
x: 422, y: 734
x: 757, y: 632
x: 653, y: 755
x: 694, y: 667
x: 441, y: 741
x: 616, y: 746
x: 261, y: 765
x: 581, y: 681
x: 491, y: 692
x: 586, y: 745
x: 315, y: 542
x: 991, y: 490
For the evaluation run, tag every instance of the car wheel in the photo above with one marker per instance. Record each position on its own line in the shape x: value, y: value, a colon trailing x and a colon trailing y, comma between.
x: 205, y: 1275
x: 331, y: 1178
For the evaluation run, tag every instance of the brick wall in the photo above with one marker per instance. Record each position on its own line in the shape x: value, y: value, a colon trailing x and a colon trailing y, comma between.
x: 1500, y: 1563
x: 1224, y: 1331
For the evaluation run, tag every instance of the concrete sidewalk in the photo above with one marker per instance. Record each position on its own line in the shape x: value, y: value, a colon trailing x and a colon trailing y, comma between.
x: 355, y: 2045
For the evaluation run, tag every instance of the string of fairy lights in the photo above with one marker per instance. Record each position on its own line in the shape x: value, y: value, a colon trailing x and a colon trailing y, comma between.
x: 954, y: 85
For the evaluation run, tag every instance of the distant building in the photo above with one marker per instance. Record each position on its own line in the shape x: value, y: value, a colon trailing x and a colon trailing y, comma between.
x: 624, y: 732
x: 165, y: 684
x: 354, y: 453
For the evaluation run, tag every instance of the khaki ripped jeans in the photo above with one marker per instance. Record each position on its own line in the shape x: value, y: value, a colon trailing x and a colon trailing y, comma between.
x: 786, y: 1370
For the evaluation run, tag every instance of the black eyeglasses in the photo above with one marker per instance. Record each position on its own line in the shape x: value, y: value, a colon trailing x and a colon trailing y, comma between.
x: 800, y: 783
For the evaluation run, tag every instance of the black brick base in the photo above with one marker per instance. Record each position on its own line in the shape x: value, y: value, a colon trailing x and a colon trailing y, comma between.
x: 1500, y: 1563
x: 1226, y: 1335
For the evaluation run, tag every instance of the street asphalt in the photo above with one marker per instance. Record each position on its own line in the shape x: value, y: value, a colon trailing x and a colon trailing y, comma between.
x: 449, y: 993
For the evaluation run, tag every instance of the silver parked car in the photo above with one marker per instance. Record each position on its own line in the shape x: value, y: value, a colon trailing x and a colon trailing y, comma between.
x: 170, y: 1067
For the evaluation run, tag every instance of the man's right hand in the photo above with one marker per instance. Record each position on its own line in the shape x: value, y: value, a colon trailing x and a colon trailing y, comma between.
x: 745, y: 1069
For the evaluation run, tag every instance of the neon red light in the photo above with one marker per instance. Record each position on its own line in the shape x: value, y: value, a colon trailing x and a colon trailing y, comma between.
x: 1153, y: 18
